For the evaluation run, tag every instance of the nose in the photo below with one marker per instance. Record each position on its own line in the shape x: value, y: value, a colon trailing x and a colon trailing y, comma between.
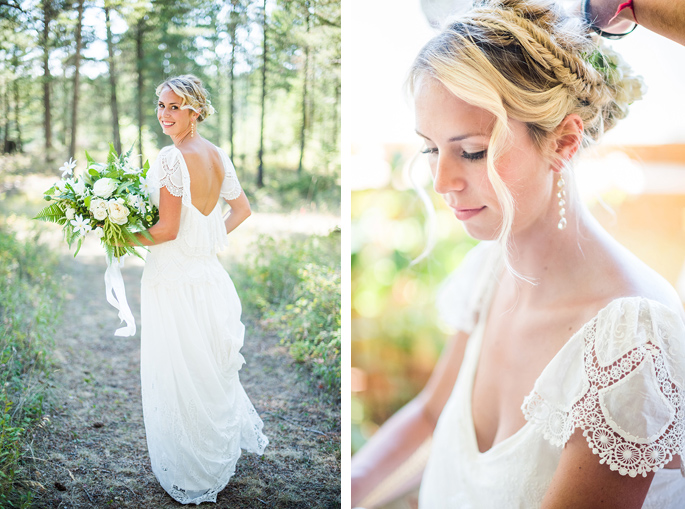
x: 447, y: 176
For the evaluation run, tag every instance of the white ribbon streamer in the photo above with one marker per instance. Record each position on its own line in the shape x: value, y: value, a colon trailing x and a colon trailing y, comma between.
x: 116, y: 296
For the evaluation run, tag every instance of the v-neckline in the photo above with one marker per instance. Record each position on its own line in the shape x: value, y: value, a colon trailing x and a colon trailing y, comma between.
x: 490, y: 290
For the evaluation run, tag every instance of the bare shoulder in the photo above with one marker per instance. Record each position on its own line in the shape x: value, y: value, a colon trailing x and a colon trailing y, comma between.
x: 633, y: 277
x: 200, y: 154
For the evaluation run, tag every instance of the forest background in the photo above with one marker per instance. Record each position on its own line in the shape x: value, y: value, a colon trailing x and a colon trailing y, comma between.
x: 79, y: 75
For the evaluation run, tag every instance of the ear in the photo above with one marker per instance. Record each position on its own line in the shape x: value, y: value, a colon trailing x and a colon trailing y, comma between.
x: 568, y: 137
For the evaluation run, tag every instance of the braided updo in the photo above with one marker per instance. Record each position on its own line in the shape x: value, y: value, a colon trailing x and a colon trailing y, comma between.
x: 529, y: 61
x: 539, y: 63
x: 194, y: 95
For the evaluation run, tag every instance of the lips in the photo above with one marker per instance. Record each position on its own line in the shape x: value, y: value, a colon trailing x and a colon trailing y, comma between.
x: 167, y: 124
x: 464, y: 214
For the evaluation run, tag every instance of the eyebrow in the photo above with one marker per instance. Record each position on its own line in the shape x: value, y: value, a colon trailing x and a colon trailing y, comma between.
x: 455, y: 138
x: 162, y: 102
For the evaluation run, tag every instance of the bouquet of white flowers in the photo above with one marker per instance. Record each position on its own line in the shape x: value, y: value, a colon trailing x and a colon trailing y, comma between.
x: 112, y: 201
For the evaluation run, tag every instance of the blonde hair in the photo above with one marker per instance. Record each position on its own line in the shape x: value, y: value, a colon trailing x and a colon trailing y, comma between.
x: 193, y: 94
x: 527, y: 60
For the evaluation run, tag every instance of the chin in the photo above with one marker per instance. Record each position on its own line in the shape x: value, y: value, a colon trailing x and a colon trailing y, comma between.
x: 480, y: 233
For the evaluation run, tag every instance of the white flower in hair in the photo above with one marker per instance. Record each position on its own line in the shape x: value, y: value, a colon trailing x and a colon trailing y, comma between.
x: 629, y: 87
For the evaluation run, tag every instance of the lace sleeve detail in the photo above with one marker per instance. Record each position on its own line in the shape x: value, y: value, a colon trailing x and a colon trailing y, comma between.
x: 621, y: 384
x: 459, y: 298
x: 171, y: 172
x: 230, y: 187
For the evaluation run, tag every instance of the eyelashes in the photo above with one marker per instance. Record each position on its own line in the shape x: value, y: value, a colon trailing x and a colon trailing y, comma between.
x: 473, y: 156
x: 470, y: 156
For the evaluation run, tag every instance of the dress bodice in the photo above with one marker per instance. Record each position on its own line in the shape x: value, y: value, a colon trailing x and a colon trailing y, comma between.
x: 199, y: 236
x: 619, y: 379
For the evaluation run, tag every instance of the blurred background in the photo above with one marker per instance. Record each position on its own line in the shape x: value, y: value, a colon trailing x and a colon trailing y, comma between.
x: 634, y: 183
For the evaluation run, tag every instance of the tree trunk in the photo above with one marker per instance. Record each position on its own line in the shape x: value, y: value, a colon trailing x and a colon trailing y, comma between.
x: 17, y: 106
x: 64, y: 132
x: 139, y: 69
x: 336, y: 116
x: 303, y: 127
x: 112, y: 82
x: 231, y: 81
x: 46, y: 79
x: 5, y: 145
x: 260, y: 171
x: 77, y: 65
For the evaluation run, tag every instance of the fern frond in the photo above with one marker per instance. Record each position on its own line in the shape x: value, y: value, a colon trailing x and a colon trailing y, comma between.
x: 52, y: 214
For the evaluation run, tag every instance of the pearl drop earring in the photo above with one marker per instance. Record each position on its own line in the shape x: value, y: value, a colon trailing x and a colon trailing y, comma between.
x: 561, y: 194
x: 192, y: 129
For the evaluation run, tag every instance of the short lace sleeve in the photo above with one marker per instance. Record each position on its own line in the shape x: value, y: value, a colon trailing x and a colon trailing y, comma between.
x: 171, y: 171
x: 620, y: 379
x: 230, y: 188
x: 460, y: 296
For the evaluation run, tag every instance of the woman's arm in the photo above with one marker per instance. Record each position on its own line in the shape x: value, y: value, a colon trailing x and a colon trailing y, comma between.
x: 405, y: 431
x: 582, y: 482
x: 240, y: 210
x: 169, y: 220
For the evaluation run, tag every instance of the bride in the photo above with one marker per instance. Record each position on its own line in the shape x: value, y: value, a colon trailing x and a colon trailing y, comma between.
x: 197, y: 415
x: 565, y: 383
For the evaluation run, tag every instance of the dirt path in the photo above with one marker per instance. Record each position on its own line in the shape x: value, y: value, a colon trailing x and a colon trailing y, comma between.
x: 91, y: 452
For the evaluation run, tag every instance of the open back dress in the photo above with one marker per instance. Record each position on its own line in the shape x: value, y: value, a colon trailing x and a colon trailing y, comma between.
x: 197, y: 414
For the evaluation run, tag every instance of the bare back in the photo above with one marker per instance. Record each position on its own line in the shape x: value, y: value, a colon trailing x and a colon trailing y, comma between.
x: 206, y: 171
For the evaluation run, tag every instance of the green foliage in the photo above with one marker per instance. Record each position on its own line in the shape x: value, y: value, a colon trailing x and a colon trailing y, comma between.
x: 53, y: 214
x: 220, y: 42
x: 312, y: 324
x: 294, y: 289
x: 30, y: 306
x: 292, y: 191
x: 396, y: 334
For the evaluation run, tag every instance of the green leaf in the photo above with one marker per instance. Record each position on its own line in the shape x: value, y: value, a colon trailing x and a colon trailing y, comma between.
x: 78, y: 246
x: 52, y: 214
x: 86, y: 201
x: 128, y: 154
x: 89, y: 159
x: 112, y: 156
x: 94, y: 172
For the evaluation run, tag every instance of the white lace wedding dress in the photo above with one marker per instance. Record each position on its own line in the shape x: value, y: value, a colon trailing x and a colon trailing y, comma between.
x: 620, y: 379
x: 197, y: 415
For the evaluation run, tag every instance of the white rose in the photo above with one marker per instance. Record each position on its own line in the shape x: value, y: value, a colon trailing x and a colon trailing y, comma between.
x: 99, y: 232
x: 99, y: 208
x: 79, y: 187
x: 70, y: 213
x: 118, y: 213
x: 104, y: 187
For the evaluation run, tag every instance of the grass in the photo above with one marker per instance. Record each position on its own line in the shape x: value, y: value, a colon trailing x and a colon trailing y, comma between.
x: 293, y: 287
x: 30, y: 304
